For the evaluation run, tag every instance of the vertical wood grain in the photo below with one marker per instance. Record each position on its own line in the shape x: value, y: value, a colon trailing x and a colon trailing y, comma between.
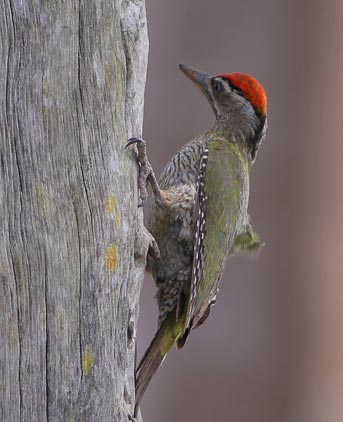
x: 72, y: 244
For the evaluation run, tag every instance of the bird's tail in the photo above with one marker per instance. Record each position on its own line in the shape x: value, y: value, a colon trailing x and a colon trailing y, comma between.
x: 167, y: 334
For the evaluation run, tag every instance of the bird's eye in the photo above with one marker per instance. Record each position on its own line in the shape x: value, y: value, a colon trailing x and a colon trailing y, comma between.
x: 217, y: 86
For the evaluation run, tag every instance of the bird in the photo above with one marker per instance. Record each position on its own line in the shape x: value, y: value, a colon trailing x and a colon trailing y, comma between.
x: 200, y: 212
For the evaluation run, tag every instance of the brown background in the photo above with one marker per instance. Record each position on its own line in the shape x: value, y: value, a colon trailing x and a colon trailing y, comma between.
x: 270, y: 350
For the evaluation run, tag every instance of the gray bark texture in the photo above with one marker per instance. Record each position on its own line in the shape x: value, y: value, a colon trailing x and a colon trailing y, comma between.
x: 72, y: 242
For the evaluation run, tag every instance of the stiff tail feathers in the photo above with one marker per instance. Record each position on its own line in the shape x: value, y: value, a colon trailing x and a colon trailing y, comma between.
x: 166, y: 336
x: 147, y: 368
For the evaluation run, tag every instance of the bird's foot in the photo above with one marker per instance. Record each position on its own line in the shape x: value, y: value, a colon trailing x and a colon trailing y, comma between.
x: 146, y: 172
x: 153, y: 249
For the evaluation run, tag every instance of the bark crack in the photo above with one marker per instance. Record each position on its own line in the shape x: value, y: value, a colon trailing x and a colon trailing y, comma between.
x: 79, y: 56
x: 128, y: 67
x: 83, y: 118
x: 47, y: 340
x: 14, y: 150
x: 8, y: 66
x: 19, y: 335
x: 80, y: 288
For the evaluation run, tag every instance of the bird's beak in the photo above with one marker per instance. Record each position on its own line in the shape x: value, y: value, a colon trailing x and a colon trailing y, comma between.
x: 201, y: 79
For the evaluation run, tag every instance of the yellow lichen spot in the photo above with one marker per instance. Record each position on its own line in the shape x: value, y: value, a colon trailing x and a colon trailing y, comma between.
x: 117, y: 220
x: 44, y: 201
x: 87, y: 362
x: 110, y: 204
x: 112, y: 258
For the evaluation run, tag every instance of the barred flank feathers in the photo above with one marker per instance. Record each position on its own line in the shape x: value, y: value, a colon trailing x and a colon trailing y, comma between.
x: 199, y: 241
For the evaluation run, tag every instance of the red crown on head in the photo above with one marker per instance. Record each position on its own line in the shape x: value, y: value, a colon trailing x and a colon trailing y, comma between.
x: 250, y: 88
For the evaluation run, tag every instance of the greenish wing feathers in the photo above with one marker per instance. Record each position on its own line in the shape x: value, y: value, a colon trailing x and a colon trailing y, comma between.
x: 247, y: 241
x: 220, y: 198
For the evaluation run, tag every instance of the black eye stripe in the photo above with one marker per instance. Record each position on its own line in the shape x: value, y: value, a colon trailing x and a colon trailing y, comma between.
x: 219, y: 82
x: 233, y: 87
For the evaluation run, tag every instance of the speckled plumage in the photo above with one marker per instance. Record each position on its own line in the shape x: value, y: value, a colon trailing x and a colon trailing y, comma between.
x: 201, y: 212
x: 173, y: 228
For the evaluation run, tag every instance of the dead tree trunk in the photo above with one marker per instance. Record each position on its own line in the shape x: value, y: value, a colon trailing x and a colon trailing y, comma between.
x: 72, y: 246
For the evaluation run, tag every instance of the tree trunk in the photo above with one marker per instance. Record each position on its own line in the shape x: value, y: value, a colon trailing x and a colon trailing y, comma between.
x: 72, y: 243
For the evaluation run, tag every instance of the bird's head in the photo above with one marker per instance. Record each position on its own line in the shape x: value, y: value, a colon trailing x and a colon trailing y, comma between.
x: 238, y: 101
x: 229, y: 92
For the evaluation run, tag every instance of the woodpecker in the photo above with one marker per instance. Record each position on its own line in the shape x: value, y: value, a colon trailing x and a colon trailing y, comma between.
x: 200, y: 212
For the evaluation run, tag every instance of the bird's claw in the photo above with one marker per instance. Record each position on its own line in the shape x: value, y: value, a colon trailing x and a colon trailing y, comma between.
x: 133, y: 141
x: 146, y: 172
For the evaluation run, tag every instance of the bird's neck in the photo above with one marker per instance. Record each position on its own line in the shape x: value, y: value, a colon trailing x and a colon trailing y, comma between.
x: 237, y: 127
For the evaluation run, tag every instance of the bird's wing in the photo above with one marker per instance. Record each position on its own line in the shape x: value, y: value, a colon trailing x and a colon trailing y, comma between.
x: 222, y: 196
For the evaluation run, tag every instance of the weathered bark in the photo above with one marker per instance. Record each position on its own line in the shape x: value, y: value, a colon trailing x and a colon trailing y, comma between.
x: 72, y: 244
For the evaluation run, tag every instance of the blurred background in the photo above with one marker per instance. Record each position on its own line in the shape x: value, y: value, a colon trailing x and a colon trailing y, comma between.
x: 272, y: 348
